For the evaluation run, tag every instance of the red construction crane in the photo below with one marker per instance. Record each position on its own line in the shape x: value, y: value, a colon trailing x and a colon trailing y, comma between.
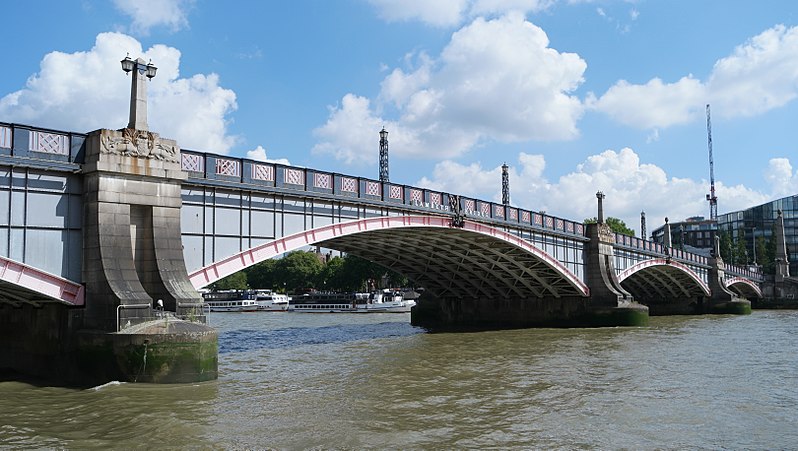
x: 713, y: 200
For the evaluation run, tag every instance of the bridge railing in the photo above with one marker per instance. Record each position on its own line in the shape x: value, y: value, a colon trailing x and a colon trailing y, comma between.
x: 218, y: 169
x: 49, y: 147
x: 40, y: 144
x: 753, y: 272
x: 658, y: 249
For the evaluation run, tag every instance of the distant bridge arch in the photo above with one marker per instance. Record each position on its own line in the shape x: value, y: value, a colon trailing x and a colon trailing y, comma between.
x: 663, y: 276
x: 472, y: 261
x: 744, y: 287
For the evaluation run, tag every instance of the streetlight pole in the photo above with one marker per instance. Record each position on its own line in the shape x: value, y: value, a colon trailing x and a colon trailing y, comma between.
x: 138, y: 90
x: 753, y: 238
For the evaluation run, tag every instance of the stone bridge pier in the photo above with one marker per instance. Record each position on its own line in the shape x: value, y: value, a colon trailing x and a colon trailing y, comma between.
x: 133, y: 258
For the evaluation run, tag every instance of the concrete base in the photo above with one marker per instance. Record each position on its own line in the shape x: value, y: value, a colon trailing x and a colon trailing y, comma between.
x: 163, y: 351
x: 737, y: 306
x: 47, y: 344
x: 667, y: 307
x: 478, y: 314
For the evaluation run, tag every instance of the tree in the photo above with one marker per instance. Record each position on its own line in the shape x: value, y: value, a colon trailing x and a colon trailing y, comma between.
x: 616, y: 225
x: 331, y: 275
x: 298, y: 270
x: 726, y: 246
x: 235, y: 281
x: 769, y: 260
x: 740, y: 251
x: 761, y: 250
x: 261, y: 275
x: 357, y: 271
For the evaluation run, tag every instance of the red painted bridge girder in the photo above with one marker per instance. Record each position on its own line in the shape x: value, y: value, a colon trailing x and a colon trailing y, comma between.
x: 24, y: 283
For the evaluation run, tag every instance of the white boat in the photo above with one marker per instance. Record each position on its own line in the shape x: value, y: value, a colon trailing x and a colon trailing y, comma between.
x: 385, y: 301
x: 229, y: 301
x: 269, y: 301
x: 235, y: 305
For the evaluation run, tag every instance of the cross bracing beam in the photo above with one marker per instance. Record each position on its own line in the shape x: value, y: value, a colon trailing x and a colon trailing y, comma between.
x: 475, y: 259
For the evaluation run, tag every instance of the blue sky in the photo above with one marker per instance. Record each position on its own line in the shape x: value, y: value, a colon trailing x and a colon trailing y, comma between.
x: 575, y: 96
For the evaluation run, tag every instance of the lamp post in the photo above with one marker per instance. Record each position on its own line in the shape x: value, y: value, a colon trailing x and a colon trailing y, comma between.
x: 600, y: 196
x: 138, y: 90
x: 753, y: 240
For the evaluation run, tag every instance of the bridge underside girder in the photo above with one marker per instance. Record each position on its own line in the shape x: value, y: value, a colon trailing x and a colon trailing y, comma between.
x: 658, y: 282
x: 455, y: 263
x: 15, y: 295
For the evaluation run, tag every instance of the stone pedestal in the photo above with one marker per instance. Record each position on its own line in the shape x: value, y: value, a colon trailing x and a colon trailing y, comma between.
x: 722, y: 299
x: 133, y: 253
x: 133, y: 257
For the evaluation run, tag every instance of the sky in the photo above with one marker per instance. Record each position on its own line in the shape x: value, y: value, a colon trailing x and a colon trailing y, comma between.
x: 575, y: 96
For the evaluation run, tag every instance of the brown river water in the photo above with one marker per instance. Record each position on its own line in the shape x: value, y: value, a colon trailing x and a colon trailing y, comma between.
x: 373, y: 381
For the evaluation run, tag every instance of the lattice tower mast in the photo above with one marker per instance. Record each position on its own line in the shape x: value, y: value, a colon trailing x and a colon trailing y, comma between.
x: 383, y: 155
x: 505, y: 185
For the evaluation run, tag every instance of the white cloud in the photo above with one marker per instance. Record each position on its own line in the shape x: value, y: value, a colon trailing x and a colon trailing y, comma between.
x: 630, y: 187
x: 259, y: 154
x: 84, y: 91
x: 496, y: 80
x: 781, y: 178
x: 147, y: 14
x: 760, y: 75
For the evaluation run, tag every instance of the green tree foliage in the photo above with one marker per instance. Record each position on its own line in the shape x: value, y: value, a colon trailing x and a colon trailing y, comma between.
x: 235, y: 281
x: 261, y: 275
x: 740, y: 251
x: 761, y: 250
x: 305, y: 270
x: 769, y: 261
x: 617, y: 225
x: 726, y: 246
x: 298, y: 270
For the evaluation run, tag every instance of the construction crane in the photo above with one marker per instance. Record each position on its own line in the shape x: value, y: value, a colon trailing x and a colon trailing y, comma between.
x: 713, y: 200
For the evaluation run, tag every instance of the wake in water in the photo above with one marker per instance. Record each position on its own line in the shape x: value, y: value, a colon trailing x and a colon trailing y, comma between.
x: 106, y: 385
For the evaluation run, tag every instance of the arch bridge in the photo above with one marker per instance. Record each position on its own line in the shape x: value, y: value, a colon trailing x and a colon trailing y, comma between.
x: 234, y: 212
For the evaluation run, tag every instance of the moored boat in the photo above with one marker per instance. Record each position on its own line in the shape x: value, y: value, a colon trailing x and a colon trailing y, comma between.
x: 269, y: 301
x: 385, y: 301
x: 229, y: 301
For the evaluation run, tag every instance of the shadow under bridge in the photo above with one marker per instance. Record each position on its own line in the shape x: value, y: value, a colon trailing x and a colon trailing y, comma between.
x: 475, y: 261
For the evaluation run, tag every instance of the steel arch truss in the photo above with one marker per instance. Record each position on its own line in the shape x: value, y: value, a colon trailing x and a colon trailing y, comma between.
x: 20, y: 284
x: 657, y: 278
x: 744, y: 287
x: 470, y: 261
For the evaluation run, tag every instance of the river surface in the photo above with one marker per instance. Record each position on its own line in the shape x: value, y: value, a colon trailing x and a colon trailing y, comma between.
x: 373, y: 381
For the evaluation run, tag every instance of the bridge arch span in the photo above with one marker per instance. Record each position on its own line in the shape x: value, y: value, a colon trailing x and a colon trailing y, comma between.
x: 472, y: 261
x: 744, y: 287
x: 655, y: 278
x: 21, y: 283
